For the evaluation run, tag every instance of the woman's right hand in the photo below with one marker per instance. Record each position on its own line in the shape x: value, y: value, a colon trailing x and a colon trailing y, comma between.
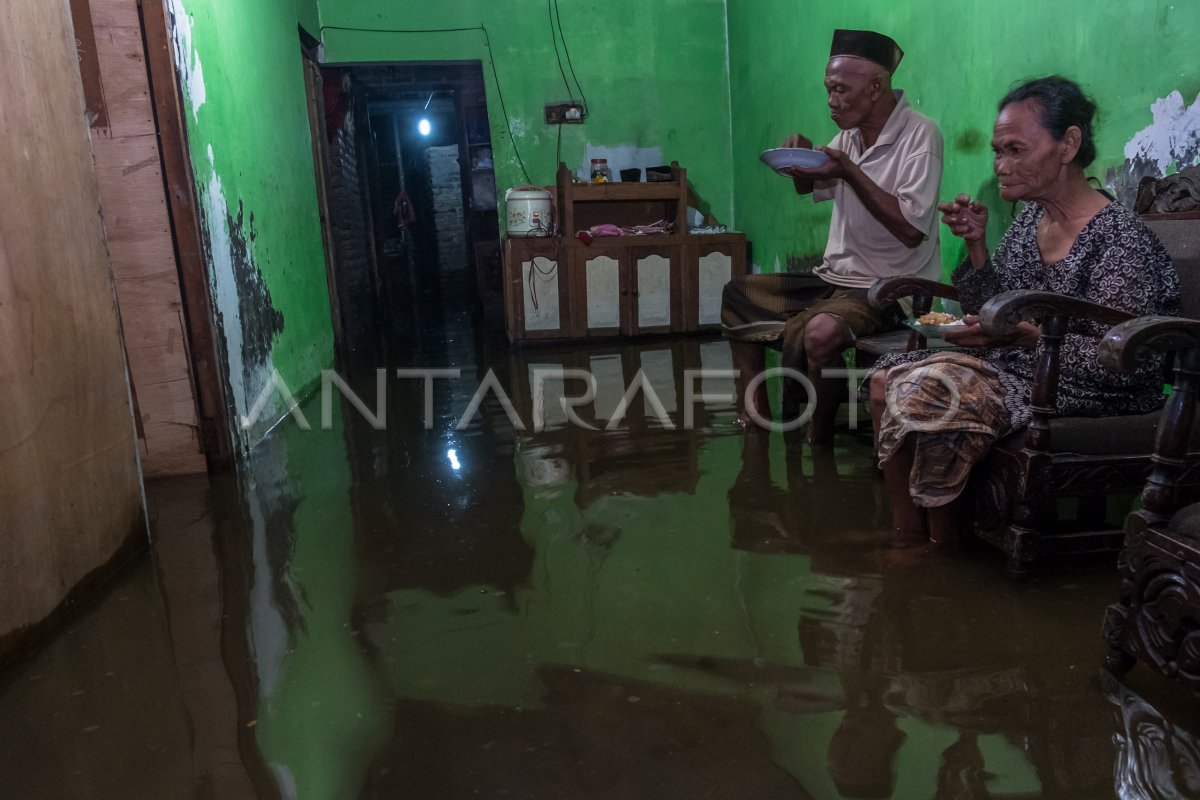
x: 965, y: 217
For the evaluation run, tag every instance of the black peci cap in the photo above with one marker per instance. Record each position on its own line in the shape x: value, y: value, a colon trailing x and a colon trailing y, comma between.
x: 869, y: 45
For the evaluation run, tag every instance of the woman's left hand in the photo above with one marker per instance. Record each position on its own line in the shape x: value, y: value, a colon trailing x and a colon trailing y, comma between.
x: 1027, y: 336
x: 971, y: 334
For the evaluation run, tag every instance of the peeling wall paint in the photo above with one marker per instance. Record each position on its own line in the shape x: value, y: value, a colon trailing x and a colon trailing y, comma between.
x: 959, y: 61
x: 215, y: 244
x: 187, y: 60
x: 654, y: 75
x: 251, y: 157
x: 1170, y: 143
x: 1174, y: 136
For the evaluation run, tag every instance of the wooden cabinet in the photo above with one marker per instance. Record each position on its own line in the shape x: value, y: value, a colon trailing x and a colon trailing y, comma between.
x: 559, y: 287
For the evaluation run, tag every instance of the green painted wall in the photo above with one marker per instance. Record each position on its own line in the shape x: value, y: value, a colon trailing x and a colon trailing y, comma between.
x: 960, y: 58
x: 653, y: 71
x: 309, y: 16
x: 247, y: 123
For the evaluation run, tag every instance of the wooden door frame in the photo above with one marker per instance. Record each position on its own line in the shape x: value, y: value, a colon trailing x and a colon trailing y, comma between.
x: 314, y: 86
x: 212, y: 400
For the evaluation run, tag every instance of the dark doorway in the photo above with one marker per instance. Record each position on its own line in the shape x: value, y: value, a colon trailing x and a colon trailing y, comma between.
x: 412, y: 197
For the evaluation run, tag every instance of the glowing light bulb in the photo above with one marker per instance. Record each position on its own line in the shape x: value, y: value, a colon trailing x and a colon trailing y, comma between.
x: 424, y: 127
x: 453, y: 456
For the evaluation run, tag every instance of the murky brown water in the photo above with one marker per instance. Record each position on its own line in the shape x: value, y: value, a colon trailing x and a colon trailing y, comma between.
x: 566, y: 613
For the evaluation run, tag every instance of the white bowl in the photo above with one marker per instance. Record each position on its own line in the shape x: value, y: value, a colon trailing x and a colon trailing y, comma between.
x: 780, y: 158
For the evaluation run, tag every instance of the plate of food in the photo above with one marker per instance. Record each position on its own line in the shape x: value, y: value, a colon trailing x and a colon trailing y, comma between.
x: 935, y: 323
x: 780, y: 158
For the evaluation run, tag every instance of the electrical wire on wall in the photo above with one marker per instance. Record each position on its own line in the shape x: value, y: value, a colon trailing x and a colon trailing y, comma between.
x: 571, y: 66
x: 491, y: 59
x: 554, y: 37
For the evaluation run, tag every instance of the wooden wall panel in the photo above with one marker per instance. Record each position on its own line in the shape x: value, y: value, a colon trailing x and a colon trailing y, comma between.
x: 114, y: 13
x: 138, y: 226
x: 69, y: 484
x: 123, y: 70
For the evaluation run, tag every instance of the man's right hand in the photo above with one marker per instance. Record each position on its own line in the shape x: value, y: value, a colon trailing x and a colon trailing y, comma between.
x: 803, y: 183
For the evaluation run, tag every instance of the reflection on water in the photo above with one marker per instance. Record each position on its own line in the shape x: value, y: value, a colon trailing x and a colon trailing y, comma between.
x: 649, y: 611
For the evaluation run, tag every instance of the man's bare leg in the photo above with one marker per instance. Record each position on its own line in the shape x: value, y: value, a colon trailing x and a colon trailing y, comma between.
x: 750, y: 359
x: 825, y: 337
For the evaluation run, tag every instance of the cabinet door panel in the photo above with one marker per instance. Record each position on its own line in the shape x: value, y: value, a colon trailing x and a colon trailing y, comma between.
x: 603, y: 281
x: 715, y: 268
x: 653, y: 274
x: 539, y: 280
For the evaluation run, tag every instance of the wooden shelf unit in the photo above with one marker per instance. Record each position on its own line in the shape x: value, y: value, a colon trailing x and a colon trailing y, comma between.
x: 558, y: 288
x: 583, y: 205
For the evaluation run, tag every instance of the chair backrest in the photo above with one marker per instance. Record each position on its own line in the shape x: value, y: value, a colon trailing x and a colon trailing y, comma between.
x: 1181, y: 237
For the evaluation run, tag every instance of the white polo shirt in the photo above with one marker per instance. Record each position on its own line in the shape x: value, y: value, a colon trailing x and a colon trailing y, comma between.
x: 906, y: 162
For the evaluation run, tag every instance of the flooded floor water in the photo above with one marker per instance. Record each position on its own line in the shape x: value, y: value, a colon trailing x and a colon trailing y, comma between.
x: 654, y: 611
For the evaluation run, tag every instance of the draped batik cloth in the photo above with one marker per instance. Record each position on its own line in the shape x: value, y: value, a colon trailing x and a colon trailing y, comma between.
x: 953, y: 404
x: 775, y: 309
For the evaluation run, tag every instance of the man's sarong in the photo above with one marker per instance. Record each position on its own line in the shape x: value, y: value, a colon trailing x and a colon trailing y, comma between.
x: 775, y: 309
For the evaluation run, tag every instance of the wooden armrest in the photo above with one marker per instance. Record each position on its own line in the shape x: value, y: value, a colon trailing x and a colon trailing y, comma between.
x: 1128, y: 345
x: 889, y: 290
x: 1001, y: 315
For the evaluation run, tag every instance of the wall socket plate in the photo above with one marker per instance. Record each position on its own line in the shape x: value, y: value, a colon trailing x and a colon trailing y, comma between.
x: 564, y: 114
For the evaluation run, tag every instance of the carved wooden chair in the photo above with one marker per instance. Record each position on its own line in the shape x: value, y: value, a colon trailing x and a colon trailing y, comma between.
x: 1060, y: 459
x: 1157, y: 619
x: 868, y: 349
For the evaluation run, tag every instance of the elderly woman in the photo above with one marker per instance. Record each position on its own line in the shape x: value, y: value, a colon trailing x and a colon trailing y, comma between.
x: 1069, y: 238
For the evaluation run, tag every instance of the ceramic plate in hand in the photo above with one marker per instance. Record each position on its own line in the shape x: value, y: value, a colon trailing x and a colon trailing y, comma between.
x: 781, y: 158
x: 933, y: 331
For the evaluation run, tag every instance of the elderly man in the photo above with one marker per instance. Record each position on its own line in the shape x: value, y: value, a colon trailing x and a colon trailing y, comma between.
x: 883, y: 175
